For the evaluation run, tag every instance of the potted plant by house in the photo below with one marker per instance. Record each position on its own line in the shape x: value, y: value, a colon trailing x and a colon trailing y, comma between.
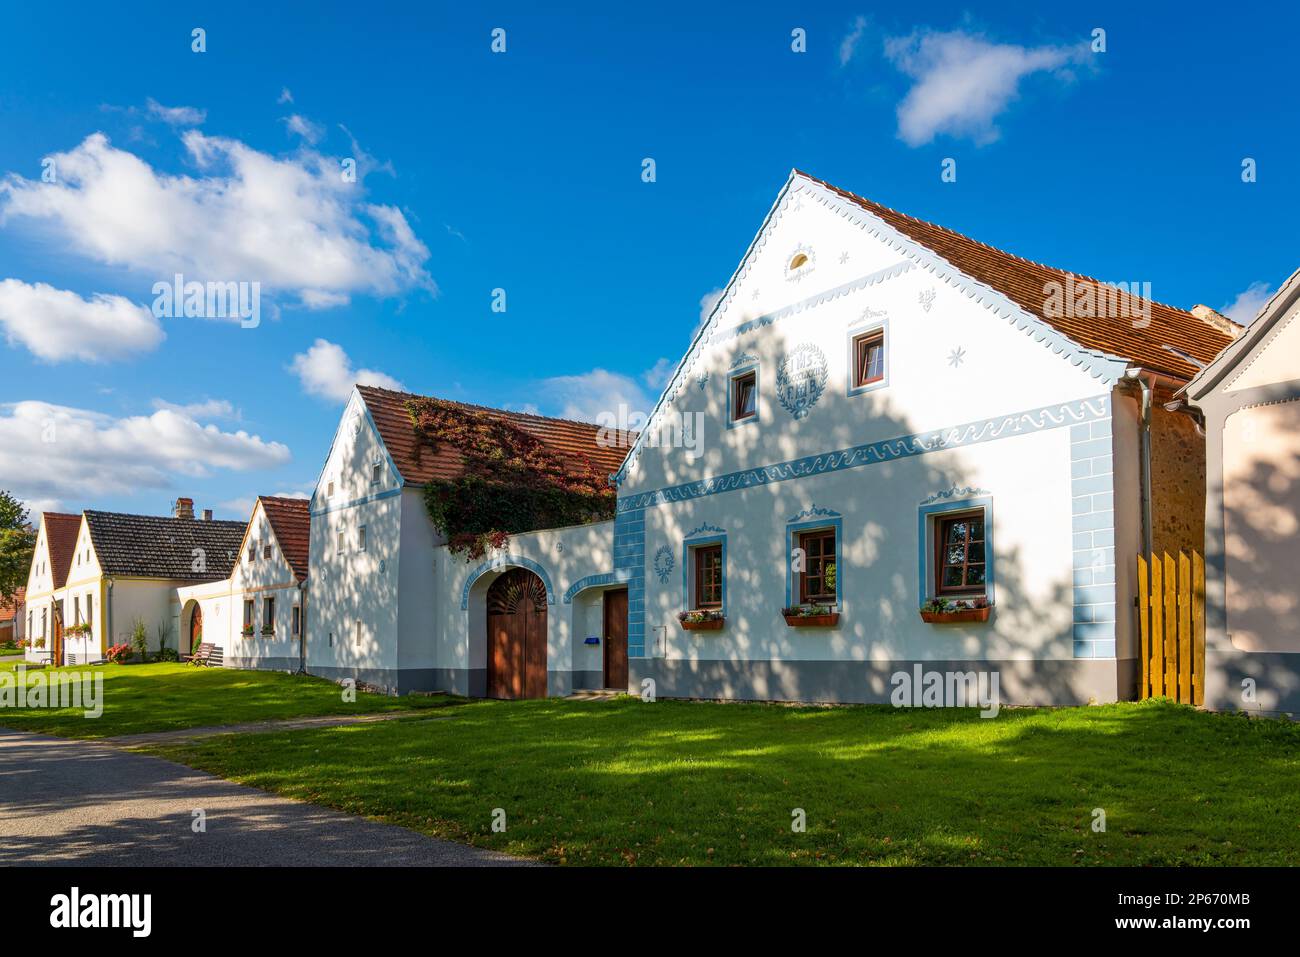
x: 268, y: 631
x: 949, y: 610
x: 247, y: 631
x: 810, y: 616
x: 708, y: 619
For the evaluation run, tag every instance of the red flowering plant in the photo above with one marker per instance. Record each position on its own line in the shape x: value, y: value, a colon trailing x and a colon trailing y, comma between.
x: 512, y: 482
x: 118, y: 653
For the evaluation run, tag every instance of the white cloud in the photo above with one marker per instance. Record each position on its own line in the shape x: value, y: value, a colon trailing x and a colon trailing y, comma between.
x: 300, y: 125
x: 849, y: 45
x: 326, y: 371
x: 84, y: 454
x: 1248, y: 303
x: 656, y: 377
x: 290, y: 223
x: 207, y: 409
x: 176, y: 115
x: 963, y: 81
x: 584, y: 397
x: 285, y: 96
x: 57, y: 325
x: 707, y: 302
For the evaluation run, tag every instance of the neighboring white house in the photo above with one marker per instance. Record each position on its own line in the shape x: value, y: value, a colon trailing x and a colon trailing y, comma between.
x: 98, y: 574
x: 1250, y: 399
x: 257, y: 616
x: 46, y: 595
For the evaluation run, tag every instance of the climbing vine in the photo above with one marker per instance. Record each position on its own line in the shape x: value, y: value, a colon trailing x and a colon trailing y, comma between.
x: 512, y: 482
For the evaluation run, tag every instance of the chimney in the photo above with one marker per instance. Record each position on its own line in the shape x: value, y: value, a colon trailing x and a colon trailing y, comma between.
x: 1212, y: 317
x: 184, y: 508
x: 207, y: 515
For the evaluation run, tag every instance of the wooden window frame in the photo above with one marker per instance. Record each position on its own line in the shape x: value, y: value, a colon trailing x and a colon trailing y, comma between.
x: 268, y: 613
x: 806, y: 576
x: 697, y: 575
x: 861, y: 347
x: 295, y: 625
x: 737, y: 381
x: 941, y: 523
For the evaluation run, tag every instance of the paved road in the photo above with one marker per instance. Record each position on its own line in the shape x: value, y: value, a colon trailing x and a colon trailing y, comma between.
x: 76, y: 802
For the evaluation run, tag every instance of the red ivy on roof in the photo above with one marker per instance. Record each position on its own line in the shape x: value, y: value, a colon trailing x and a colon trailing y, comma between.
x: 512, y: 481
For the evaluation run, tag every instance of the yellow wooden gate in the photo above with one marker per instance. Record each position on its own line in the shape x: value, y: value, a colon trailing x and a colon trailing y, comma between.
x: 1171, y: 627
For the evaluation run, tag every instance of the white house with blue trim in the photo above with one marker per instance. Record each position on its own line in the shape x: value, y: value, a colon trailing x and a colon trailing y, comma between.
x: 880, y: 416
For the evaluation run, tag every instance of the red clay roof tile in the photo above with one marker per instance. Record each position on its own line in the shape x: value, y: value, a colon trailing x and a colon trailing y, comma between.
x: 1024, y: 282
x: 61, y: 538
x: 290, y: 520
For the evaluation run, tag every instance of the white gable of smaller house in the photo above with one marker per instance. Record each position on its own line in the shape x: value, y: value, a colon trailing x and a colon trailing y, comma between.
x: 1274, y: 360
x: 40, y: 578
x: 350, y: 466
x: 256, y: 569
x: 85, y: 563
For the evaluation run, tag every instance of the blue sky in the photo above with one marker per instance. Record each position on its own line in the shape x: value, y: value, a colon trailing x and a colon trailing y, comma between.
x: 522, y: 171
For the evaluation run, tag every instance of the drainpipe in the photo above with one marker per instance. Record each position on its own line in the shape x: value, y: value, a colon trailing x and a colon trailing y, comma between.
x: 302, y: 627
x: 1144, y: 456
x: 108, y: 613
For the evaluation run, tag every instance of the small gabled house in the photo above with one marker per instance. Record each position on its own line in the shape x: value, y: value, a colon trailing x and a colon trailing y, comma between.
x: 393, y: 606
x: 13, y: 616
x: 257, y: 615
x: 1249, y: 398
x: 46, y: 595
x: 126, y: 568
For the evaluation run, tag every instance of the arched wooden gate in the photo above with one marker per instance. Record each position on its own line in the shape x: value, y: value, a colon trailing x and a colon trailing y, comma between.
x: 516, y: 636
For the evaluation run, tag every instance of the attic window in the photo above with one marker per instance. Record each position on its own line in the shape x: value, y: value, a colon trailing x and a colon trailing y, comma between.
x: 800, y: 263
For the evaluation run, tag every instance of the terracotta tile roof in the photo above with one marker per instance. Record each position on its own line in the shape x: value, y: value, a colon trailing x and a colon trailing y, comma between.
x: 9, y: 609
x: 61, y: 537
x: 153, y: 546
x: 290, y: 520
x: 418, y: 464
x: 1023, y: 282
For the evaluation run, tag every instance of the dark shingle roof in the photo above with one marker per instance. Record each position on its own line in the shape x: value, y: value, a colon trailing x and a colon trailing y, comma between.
x: 153, y: 546
x: 61, y: 539
x: 290, y: 520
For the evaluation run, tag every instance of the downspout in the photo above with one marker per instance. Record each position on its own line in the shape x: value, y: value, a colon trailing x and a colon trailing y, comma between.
x: 1144, y: 454
x: 108, y: 614
x: 302, y: 627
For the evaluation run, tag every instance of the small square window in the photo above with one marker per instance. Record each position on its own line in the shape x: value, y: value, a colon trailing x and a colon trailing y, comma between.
x: 252, y: 553
x: 329, y: 489
x: 708, y: 576
x: 869, y: 358
x: 960, y: 559
x: 377, y: 473
x: 744, y: 397
x: 342, y: 543
x: 266, y: 551
x: 361, y: 539
x: 817, y: 580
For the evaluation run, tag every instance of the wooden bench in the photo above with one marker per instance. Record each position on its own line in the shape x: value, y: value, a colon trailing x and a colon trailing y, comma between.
x: 209, y: 654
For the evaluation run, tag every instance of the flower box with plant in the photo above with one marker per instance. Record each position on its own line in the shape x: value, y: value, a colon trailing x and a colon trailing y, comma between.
x: 246, y: 631
x: 811, y: 616
x: 118, y: 654
x: 707, y: 619
x: 38, y: 643
x: 268, y: 631
x: 946, y: 610
x: 73, y: 631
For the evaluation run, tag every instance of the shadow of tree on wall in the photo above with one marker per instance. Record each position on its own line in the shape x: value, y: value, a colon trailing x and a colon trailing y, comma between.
x: 1033, y: 618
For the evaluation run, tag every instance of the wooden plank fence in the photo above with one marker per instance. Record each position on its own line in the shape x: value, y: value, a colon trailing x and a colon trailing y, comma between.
x: 1171, y: 627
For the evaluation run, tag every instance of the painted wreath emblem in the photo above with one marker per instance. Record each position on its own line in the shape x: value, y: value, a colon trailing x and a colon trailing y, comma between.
x: 664, y: 563
x: 801, y: 379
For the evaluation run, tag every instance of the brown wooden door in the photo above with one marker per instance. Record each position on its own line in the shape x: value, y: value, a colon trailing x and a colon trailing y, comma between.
x: 56, y: 640
x: 516, y: 636
x: 616, y: 639
x: 196, y: 630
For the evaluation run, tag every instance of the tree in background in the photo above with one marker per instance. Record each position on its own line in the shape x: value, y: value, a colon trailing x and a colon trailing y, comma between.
x: 17, y: 542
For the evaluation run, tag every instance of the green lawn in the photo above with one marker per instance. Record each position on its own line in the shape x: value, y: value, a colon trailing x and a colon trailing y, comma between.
x: 623, y: 782
x: 163, y: 697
